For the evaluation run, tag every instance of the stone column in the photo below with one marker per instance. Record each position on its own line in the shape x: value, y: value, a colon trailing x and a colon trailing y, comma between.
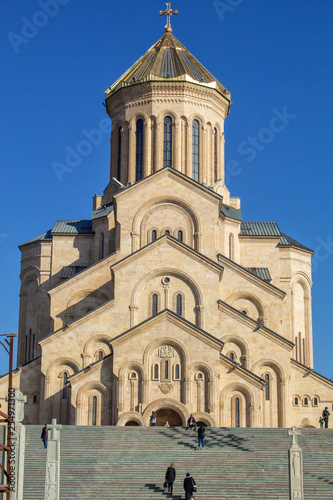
x: 52, y: 472
x: 295, y: 467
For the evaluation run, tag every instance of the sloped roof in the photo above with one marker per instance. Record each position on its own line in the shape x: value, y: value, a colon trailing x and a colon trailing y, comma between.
x: 42, y: 237
x: 102, y: 211
x: 168, y: 60
x: 231, y: 212
x: 72, y: 227
x: 261, y: 272
x: 290, y: 242
x: 260, y: 229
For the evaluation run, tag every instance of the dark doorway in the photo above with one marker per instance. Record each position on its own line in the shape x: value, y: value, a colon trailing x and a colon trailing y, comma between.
x: 165, y: 415
x: 132, y: 423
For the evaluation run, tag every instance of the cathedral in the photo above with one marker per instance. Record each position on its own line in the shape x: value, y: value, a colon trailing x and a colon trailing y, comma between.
x: 167, y: 299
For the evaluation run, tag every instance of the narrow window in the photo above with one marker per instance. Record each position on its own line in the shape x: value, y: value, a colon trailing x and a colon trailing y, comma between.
x: 155, y: 304
x: 177, y: 372
x: 102, y: 246
x: 232, y: 356
x: 195, y: 150
x: 26, y: 349
x: 200, y: 377
x: 154, y: 235
x: 315, y: 401
x: 306, y: 401
x: 133, y: 375
x: 119, y: 155
x: 156, y: 372
x: 231, y: 246
x: 237, y: 419
x: 180, y: 236
x: 296, y: 401
x: 64, y: 387
x: 30, y: 344
x: 100, y: 355
x: 167, y: 149
x: 167, y: 232
x: 166, y: 369
x: 139, y: 150
x: 94, y: 410
x: 33, y: 347
x: 179, y: 305
x: 34, y: 399
x: 267, y: 395
x: 215, y: 154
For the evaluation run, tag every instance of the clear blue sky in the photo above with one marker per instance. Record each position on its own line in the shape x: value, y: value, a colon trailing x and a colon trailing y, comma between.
x: 271, y: 56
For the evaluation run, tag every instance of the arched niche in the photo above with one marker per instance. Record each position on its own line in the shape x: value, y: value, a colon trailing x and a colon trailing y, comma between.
x: 84, y: 404
x: 228, y: 396
x: 250, y: 303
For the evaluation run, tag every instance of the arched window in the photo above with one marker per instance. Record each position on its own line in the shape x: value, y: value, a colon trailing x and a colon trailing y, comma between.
x: 195, y: 150
x: 295, y: 401
x: 34, y: 399
x: 177, y: 372
x: 167, y: 149
x: 119, y: 155
x: 154, y: 304
x: 102, y: 238
x: 315, y: 402
x: 64, y: 387
x: 100, y: 355
x: 179, y: 310
x: 166, y: 369
x: 26, y: 357
x: 180, y: 236
x: 155, y: 374
x: 199, y: 376
x: 167, y: 232
x: 215, y: 154
x: 232, y: 356
x: 231, y: 246
x: 153, y: 235
x: 94, y: 410
x: 133, y: 375
x: 267, y: 388
x: 237, y: 416
x: 139, y: 150
x: 305, y: 402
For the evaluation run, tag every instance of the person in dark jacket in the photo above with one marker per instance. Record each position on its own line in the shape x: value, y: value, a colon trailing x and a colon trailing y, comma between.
x: 45, y: 435
x: 189, y: 484
x: 170, y: 477
x: 201, y: 437
x: 153, y: 419
x: 191, y: 423
x: 326, y: 415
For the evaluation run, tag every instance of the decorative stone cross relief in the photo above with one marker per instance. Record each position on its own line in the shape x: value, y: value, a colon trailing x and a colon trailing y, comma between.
x: 295, y: 433
x: 166, y: 351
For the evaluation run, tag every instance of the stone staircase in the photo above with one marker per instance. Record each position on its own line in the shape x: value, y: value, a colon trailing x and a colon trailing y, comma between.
x: 126, y: 463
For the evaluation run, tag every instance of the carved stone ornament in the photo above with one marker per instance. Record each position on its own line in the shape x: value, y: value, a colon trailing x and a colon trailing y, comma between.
x: 166, y: 351
x: 165, y: 388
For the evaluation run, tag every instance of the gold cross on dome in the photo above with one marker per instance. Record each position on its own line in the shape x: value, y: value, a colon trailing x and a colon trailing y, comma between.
x: 168, y: 12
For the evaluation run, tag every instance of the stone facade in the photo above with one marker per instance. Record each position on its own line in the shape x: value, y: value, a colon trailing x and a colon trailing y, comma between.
x: 166, y: 300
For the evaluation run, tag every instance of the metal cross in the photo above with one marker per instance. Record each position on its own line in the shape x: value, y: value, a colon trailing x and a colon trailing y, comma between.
x: 295, y: 433
x: 168, y: 12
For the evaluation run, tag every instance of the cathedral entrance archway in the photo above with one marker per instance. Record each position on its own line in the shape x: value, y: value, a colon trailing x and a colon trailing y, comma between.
x: 167, y: 415
x: 132, y: 423
x: 167, y: 405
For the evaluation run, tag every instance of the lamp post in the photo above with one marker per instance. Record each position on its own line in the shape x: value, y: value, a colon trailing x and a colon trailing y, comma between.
x: 8, y: 418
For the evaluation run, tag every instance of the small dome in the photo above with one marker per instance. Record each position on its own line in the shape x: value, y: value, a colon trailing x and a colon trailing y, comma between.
x: 168, y: 60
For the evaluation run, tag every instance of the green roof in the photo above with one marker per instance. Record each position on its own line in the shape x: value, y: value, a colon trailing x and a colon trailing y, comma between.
x: 287, y: 241
x: 102, y: 211
x: 260, y: 229
x: 72, y: 227
x: 42, y: 237
x: 231, y: 212
x: 261, y: 272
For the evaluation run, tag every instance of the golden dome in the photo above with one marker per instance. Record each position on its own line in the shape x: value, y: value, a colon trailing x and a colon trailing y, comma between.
x: 168, y: 60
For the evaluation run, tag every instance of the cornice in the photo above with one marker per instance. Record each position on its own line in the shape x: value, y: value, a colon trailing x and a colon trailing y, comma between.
x: 173, y: 242
x: 243, y: 372
x: 69, y: 328
x: 255, y: 326
x: 273, y: 290
x: 307, y: 371
x: 83, y: 274
x: 190, y: 328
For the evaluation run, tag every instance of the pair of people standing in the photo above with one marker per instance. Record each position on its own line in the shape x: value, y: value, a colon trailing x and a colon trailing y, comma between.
x: 189, y: 483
